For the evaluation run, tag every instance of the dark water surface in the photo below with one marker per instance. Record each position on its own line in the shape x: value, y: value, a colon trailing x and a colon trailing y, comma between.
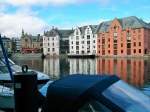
x: 134, y: 71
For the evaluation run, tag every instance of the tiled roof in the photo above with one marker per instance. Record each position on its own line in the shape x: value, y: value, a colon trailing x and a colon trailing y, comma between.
x: 131, y: 21
x: 93, y: 27
x: 61, y: 33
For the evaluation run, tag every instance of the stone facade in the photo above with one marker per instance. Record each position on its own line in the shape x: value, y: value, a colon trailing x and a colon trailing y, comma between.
x: 31, y: 43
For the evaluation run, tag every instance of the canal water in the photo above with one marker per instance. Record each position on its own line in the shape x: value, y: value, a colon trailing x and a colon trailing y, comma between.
x: 134, y: 71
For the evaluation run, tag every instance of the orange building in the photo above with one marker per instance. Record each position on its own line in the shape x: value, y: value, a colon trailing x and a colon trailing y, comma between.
x: 126, y: 36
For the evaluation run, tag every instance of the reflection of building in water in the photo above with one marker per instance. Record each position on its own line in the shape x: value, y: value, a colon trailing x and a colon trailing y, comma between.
x: 130, y: 70
x: 83, y: 66
x: 52, y: 67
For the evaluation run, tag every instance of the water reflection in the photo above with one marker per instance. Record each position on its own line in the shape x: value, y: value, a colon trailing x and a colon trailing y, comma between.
x: 133, y: 71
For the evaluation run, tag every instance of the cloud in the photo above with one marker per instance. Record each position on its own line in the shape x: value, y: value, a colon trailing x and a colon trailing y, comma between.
x: 49, y: 2
x: 12, y: 24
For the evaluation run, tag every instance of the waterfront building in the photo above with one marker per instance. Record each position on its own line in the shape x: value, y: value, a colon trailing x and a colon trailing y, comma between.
x: 31, y: 43
x: 7, y: 44
x: 125, y: 36
x: 56, y: 41
x: 83, y: 40
x: 16, y: 44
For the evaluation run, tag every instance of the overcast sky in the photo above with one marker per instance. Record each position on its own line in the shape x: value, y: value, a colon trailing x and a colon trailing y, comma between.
x: 37, y: 16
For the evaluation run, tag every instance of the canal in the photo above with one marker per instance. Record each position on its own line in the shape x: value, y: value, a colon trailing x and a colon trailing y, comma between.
x: 134, y: 71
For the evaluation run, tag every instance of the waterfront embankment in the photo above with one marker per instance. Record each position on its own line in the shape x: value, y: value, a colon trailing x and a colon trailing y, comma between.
x: 34, y: 55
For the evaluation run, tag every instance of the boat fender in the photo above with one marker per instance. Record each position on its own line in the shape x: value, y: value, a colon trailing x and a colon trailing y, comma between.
x: 25, y: 68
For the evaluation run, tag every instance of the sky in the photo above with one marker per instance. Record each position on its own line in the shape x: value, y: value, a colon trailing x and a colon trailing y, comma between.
x: 37, y: 16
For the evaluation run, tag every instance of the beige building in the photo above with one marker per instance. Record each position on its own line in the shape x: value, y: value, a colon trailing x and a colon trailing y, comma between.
x: 31, y: 43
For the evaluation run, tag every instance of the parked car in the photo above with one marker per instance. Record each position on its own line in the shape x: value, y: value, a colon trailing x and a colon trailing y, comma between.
x: 94, y: 93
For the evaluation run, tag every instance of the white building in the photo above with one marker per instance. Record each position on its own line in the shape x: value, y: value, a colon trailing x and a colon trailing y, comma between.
x: 56, y: 41
x: 84, y: 40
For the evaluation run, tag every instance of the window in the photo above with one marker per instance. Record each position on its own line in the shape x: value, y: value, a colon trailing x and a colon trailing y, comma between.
x: 77, y: 32
x: 53, y: 49
x: 88, y: 36
x: 128, y: 45
x: 93, y: 41
x: 139, y: 50
x: 121, y: 51
x: 128, y: 39
x: 77, y: 47
x: 139, y: 36
x: 77, y: 52
x: 134, y: 44
x: 139, y: 43
x: 71, y: 47
x: 48, y: 49
x: 82, y: 42
x: 103, y: 35
x: 121, y: 44
x: 77, y: 37
x: 115, y: 34
x: 139, y: 30
x: 115, y: 27
x: 103, y: 41
x: 72, y: 42
x: 48, y: 44
x: 115, y: 46
x: 134, y: 50
x: 128, y: 32
x: 88, y: 31
x: 77, y: 43
x: 108, y: 39
x: 53, y: 44
x: 108, y: 51
x: 134, y: 30
x: 52, y: 38
x: 26, y: 40
x: 103, y: 46
x: 108, y: 45
x: 115, y: 40
x: 88, y: 42
x: 134, y: 37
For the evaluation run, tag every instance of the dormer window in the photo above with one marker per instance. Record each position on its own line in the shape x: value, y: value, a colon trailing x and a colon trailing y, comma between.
x: 77, y: 32
x: 88, y: 31
x: 115, y: 27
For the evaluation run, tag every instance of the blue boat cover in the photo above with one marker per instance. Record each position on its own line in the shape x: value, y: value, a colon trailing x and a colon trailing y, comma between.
x: 71, y: 92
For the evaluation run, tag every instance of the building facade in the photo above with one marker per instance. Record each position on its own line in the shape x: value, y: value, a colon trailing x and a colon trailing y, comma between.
x: 16, y: 44
x: 84, y: 40
x: 56, y: 41
x: 8, y: 44
x: 31, y: 43
x: 126, y: 36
